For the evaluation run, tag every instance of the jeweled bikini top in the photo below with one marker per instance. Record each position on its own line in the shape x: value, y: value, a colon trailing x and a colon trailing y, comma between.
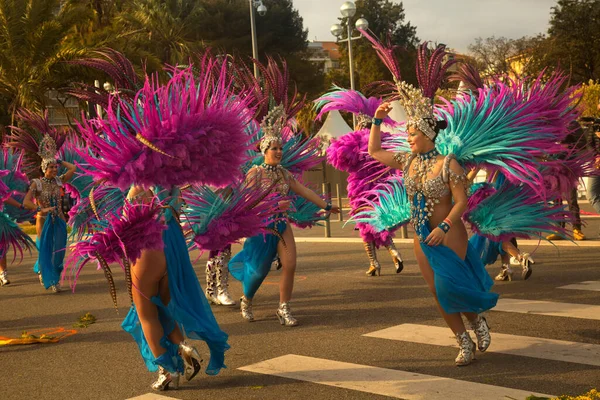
x: 420, y: 186
x: 47, y: 193
x: 268, y: 175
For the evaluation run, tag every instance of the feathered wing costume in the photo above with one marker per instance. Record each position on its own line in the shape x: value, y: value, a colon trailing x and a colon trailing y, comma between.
x: 493, y: 206
x: 187, y: 131
x: 13, y: 184
x: 349, y: 153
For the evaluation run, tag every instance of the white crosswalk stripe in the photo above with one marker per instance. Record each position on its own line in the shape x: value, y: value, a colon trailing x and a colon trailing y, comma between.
x: 548, y: 349
x: 382, y: 381
x: 587, y: 285
x: 550, y: 308
x: 152, y: 396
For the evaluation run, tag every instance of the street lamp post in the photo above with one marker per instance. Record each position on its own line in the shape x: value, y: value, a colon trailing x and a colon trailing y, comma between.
x: 262, y: 10
x: 348, y: 10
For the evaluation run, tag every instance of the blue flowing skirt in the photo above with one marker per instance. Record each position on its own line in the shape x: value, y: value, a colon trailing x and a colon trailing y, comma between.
x: 188, y: 308
x: 51, y: 245
x: 252, y: 265
x: 461, y: 285
x: 487, y: 250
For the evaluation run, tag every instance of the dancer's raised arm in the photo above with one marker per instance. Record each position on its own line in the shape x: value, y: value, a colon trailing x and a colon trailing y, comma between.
x: 383, y: 156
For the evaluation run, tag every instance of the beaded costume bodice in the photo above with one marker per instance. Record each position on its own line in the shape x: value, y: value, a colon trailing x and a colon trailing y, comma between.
x: 48, y: 193
x: 273, y: 175
x: 423, y: 191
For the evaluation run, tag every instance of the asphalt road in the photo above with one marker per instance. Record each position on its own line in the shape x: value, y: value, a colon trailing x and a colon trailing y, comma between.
x: 335, y: 303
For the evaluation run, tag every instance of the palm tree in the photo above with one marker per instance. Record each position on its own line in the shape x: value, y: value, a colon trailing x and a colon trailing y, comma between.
x: 167, y: 28
x: 33, y: 46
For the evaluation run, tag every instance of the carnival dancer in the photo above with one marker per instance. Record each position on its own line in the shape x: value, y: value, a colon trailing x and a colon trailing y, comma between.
x: 51, y: 227
x: 349, y: 153
x: 493, y: 128
x: 252, y: 264
x: 150, y: 146
x: 13, y: 185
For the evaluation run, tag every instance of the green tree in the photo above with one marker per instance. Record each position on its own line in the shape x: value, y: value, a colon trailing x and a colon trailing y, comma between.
x: 280, y: 32
x: 169, y: 29
x: 33, y: 46
x: 386, y: 20
x: 574, y: 39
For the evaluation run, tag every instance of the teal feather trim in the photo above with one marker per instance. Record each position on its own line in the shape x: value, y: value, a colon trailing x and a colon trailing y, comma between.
x: 514, y: 211
x: 305, y: 214
x: 11, y: 236
x: 390, y: 211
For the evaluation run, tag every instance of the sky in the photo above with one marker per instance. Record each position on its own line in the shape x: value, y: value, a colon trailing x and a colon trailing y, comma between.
x: 454, y: 22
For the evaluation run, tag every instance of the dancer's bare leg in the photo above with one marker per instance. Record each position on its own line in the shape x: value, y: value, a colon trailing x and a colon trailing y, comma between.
x: 287, y: 254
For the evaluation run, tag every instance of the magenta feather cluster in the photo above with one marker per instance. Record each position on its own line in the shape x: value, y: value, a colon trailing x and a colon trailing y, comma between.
x: 188, y: 130
x: 349, y: 153
x: 138, y: 228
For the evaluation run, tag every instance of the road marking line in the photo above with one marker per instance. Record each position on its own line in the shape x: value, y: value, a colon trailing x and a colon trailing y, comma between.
x: 548, y: 349
x: 152, y: 396
x: 555, y: 309
x: 382, y: 381
x: 587, y: 285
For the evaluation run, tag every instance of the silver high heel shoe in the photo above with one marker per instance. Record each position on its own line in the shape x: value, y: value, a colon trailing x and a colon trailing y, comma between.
x: 505, y: 274
x: 191, y: 360
x: 482, y: 332
x: 396, y: 258
x: 526, y: 262
x: 285, y: 316
x: 246, y: 309
x: 166, y: 380
x: 466, y: 355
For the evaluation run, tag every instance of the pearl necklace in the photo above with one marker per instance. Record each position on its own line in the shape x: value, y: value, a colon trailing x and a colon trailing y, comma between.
x: 270, y: 167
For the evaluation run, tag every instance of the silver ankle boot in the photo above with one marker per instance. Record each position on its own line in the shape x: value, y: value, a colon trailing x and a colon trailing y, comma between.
x: 396, y: 258
x: 222, y: 267
x: 166, y: 380
x: 467, y: 349
x: 246, y: 309
x: 285, y: 316
x: 482, y: 332
x: 211, y: 274
x: 191, y: 360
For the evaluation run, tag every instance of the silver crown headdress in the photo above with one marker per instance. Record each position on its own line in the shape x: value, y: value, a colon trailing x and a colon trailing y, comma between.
x: 418, y: 108
x: 47, y: 150
x: 271, y: 126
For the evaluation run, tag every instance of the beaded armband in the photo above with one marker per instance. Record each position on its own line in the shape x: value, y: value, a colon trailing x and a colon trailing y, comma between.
x: 444, y: 226
x: 400, y: 158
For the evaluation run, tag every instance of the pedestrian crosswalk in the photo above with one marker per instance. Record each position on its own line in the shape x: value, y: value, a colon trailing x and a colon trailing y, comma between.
x: 409, y: 385
x: 413, y: 386
x: 550, y: 308
x: 587, y: 285
x: 526, y: 346
x: 382, y: 381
